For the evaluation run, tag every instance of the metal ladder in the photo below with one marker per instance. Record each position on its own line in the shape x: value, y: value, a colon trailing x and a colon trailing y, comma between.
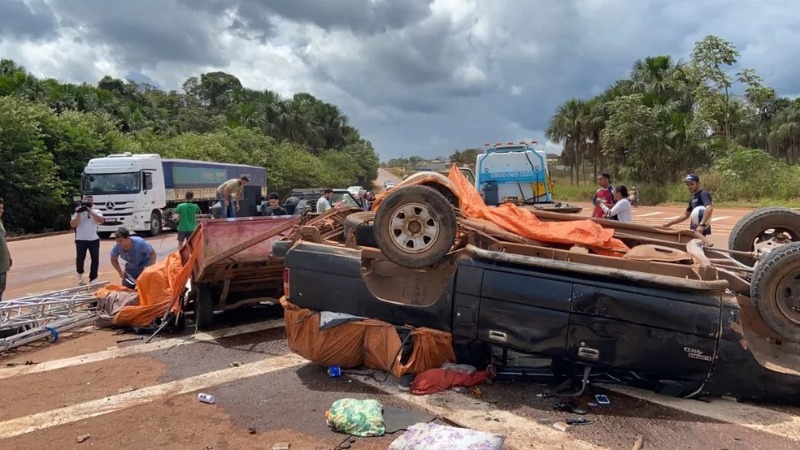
x: 41, y: 316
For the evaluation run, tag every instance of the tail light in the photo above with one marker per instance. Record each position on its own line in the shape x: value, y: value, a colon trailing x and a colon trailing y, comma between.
x: 286, y: 282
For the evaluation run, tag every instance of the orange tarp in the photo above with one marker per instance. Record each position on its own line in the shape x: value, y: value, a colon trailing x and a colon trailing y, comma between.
x: 160, y: 287
x: 372, y: 343
x: 523, y: 222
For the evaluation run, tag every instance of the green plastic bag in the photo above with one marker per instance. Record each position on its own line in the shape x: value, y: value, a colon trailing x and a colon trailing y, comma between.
x: 362, y: 418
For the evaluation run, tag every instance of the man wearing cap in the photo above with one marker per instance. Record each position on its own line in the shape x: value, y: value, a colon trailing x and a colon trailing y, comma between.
x: 137, y: 254
x: 700, y: 197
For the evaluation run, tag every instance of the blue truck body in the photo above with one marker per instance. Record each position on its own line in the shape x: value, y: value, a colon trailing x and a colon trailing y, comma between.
x: 185, y: 174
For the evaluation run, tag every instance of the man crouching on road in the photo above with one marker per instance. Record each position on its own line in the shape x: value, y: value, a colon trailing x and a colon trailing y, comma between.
x: 137, y: 254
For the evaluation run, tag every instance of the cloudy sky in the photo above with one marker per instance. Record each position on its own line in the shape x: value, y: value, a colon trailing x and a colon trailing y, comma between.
x: 415, y: 76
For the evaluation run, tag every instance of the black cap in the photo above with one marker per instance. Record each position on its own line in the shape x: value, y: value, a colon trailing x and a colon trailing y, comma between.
x: 122, y: 232
x: 693, y: 177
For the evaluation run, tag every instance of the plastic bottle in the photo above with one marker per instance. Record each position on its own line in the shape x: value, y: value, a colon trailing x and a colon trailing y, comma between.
x: 334, y: 371
x: 206, y: 398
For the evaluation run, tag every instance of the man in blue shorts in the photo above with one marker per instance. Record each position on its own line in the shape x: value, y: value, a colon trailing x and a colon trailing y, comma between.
x: 137, y: 254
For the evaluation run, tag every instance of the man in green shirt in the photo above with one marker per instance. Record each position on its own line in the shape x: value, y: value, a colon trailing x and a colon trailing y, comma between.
x: 227, y: 192
x: 5, y: 256
x: 187, y: 218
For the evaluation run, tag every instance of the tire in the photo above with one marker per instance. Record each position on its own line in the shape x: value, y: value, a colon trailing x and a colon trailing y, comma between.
x: 775, y: 291
x: 410, y: 206
x: 104, y: 234
x: 204, y: 307
x: 748, y: 229
x: 361, y: 223
x: 156, y: 225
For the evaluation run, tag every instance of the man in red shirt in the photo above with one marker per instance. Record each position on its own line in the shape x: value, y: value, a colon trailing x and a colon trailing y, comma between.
x: 605, y: 193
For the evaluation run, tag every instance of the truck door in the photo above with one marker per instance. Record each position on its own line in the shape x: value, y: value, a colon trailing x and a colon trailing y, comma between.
x: 524, y: 310
x: 667, y: 334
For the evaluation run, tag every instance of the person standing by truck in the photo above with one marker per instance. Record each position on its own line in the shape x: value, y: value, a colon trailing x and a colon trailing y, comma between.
x: 274, y: 207
x: 229, y: 191
x: 84, y: 221
x: 5, y: 255
x: 605, y: 195
x: 621, y: 210
x: 137, y: 254
x: 187, y: 218
x: 324, y: 202
x: 700, y: 198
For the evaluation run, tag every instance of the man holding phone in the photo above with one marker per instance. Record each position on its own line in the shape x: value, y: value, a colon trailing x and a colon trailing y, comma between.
x: 84, y: 221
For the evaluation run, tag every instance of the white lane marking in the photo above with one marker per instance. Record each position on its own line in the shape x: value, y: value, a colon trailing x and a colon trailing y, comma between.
x: 649, y: 214
x: 118, y: 352
x: 520, y: 432
x: 753, y: 417
x: 94, y: 408
x: 714, y: 219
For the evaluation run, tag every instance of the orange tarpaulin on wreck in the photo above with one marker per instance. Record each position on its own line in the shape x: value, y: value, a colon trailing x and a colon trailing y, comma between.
x: 160, y: 287
x: 372, y: 343
x: 523, y: 222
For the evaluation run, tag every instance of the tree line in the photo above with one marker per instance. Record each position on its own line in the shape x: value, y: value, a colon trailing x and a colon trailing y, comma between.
x: 671, y: 117
x: 49, y: 130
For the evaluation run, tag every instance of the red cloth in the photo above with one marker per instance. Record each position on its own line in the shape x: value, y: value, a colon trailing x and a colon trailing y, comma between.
x: 432, y: 381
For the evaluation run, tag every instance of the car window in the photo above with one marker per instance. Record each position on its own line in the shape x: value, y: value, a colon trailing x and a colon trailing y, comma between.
x: 348, y: 199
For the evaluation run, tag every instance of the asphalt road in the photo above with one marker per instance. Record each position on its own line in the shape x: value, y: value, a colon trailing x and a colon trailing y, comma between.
x: 135, y: 395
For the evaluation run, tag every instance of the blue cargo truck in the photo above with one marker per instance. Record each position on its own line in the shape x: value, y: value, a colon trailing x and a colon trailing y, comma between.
x: 139, y: 192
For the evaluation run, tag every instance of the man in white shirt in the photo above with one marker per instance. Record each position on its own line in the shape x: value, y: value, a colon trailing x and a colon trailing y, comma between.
x: 324, y: 202
x: 85, y: 220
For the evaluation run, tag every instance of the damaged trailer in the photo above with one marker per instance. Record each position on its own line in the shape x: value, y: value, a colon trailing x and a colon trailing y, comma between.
x: 598, y: 301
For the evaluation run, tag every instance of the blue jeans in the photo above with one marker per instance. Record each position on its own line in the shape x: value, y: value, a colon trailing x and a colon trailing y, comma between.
x: 230, y: 210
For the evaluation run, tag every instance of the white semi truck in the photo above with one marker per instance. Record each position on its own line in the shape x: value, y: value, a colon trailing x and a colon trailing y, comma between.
x: 139, y: 191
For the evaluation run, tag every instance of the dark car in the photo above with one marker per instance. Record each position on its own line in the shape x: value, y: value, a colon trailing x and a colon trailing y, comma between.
x: 601, y: 325
x: 670, y: 313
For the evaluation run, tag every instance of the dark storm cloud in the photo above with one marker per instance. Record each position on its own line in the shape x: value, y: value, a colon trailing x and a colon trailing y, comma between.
x: 35, y: 22
x: 145, y: 32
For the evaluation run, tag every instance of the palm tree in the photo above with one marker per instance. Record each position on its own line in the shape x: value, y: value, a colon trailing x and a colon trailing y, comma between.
x: 569, y: 126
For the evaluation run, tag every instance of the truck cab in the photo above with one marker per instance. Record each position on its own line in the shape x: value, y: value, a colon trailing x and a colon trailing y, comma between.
x: 514, y: 173
x: 128, y: 189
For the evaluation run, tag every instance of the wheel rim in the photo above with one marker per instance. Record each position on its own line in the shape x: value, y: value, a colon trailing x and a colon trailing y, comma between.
x: 787, y: 296
x: 154, y: 223
x: 773, y: 237
x: 413, y: 228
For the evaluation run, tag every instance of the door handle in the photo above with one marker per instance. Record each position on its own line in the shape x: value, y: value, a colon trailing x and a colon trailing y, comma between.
x: 498, y: 336
x: 588, y: 353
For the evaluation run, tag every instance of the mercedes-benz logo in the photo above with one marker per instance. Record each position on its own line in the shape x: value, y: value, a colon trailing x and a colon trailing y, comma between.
x: 110, y: 206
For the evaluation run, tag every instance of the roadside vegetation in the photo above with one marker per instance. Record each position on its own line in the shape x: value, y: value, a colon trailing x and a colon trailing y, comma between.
x: 672, y: 117
x: 50, y: 129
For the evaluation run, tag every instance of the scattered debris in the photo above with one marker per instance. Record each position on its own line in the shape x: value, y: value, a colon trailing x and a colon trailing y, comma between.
x: 127, y: 389
x: 282, y: 446
x: 432, y: 436
x: 84, y: 438
x: 26, y: 363
x: 569, y: 406
x: 235, y: 364
x: 561, y: 426
x: 362, y: 418
x: 138, y: 338
x: 602, y: 399
x: 639, y: 444
x: 206, y: 398
x: 334, y: 371
x: 251, y: 430
x: 578, y: 421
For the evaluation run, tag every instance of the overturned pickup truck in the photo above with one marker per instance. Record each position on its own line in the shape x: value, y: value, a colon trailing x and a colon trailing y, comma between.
x: 596, y: 300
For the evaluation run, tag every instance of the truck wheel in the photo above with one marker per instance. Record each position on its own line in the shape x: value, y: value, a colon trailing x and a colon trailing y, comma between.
x: 775, y: 290
x: 764, y: 227
x: 415, y: 226
x: 155, y: 224
x: 104, y: 234
x: 361, y: 225
x: 204, y: 307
